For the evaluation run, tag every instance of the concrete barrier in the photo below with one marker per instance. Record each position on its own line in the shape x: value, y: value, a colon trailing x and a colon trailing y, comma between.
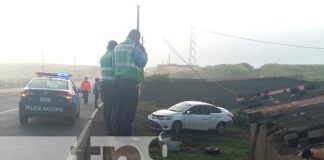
x: 82, y: 148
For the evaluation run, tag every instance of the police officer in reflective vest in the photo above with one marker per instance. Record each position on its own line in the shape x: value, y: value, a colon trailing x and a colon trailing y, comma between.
x: 107, y: 77
x: 130, y: 59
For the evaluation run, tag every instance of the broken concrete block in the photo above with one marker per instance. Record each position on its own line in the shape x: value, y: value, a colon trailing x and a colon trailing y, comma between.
x: 167, y: 141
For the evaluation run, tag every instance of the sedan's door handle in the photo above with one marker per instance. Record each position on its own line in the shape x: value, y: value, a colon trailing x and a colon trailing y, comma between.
x: 205, y: 119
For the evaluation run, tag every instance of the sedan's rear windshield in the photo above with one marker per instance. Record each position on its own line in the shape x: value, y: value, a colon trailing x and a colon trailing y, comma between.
x: 180, y: 107
x: 48, y: 84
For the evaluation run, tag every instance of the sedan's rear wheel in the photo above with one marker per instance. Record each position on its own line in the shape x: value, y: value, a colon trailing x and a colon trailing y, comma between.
x: 220, y: 129
x: 176, y: 127
x: 23, y: 119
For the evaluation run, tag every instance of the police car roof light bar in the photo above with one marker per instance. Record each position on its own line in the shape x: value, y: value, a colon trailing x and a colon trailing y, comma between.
x: 62, y: 75
x: 43, y: 74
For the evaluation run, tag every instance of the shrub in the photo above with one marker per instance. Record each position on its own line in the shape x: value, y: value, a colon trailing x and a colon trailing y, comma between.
x: 157, y: 77
x: 265, y: 96
x: 240, y: 118
x: 311, y: 86
x: 299, y: 94
x: 294, y: 90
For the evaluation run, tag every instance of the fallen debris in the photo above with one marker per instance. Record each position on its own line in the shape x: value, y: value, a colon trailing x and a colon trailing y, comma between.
x: 174, y: 146
x: 212, y: 150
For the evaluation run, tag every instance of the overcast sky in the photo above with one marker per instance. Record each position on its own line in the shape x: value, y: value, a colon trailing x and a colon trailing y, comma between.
x: 62, y: 29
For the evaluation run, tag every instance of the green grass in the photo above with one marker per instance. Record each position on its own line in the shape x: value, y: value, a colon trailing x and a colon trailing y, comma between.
x: 215, y: 72
x: 305, y: 72
x: 234, y: 144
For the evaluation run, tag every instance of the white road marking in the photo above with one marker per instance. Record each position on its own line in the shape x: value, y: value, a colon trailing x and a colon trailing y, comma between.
x: 10, y: 110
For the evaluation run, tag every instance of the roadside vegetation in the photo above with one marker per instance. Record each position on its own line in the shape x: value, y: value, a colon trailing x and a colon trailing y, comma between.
x: 13, y: 83
x: 18, y: 74
x: 243, y: 71
x: 305, y: 72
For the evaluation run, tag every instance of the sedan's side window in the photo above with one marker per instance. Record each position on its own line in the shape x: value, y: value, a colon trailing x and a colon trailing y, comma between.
x: 194, y: 110
x: 200, y: 110
x: 205, y: 110
x: 214, y: 109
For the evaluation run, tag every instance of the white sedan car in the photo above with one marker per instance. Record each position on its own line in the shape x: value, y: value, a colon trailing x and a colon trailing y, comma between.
x: 191, y: 115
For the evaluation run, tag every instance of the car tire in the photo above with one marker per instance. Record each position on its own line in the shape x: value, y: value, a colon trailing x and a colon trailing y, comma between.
x: 23, y: 119
x: 176, y: 127
x: 220, y: 129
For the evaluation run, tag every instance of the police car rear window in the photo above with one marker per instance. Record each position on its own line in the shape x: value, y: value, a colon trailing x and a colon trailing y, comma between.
x: 48, y: 84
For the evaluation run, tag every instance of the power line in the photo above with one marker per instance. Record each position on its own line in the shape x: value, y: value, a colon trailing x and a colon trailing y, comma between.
x: 173, y: 50
x: 260, y: 41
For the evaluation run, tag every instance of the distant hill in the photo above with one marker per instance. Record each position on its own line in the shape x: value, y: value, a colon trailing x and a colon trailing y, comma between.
x: 15, y: 74
x: 305, y: 72
x: 228, y: 72
x: 242, y: 71
x: 216, y: 72
x: 14, y: 71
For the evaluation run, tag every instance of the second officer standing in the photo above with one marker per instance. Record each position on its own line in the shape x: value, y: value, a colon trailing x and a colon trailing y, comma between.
x: 107, y: 89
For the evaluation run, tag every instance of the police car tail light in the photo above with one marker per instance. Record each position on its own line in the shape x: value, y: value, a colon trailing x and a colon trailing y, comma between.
x: 67, y: 96
x: 25, y: 93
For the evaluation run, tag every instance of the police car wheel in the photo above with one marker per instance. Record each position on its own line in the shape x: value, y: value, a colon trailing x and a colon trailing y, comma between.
x: 23, y: 119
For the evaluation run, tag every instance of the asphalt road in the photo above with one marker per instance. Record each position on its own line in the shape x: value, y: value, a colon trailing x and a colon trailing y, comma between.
x: 10, y: 126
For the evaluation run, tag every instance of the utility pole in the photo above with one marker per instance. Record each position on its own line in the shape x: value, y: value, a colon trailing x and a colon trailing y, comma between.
x: 169, y: 59
x: 98, y: 59
x: 43, y: 63
x: 138, y: 23
x: 138, y: 16
x: 74, y: 62
x: 192, y: 48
